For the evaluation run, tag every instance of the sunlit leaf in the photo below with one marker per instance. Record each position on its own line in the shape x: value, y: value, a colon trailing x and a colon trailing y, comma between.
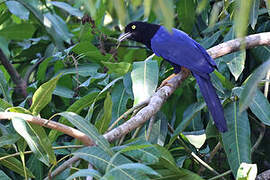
x: 36, y: 139
x: 242, y: 16
x: 247, y: 171
x: 73, y: 11
x: 120, y: 68
x: 18, y: 9
x: 43, y: 95
x: 144, y: 79
x: 164, y: 10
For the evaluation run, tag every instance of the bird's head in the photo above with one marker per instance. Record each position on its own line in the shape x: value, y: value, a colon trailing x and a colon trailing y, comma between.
x: 139, y: 31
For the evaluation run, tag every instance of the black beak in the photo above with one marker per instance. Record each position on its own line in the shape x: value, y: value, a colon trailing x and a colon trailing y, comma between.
x: 124, y: 36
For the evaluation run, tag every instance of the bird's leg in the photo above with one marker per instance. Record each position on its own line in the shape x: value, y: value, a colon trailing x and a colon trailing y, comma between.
x: 165, y: 82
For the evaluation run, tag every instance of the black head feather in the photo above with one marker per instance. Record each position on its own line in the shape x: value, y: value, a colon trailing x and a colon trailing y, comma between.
x: 141, y: 32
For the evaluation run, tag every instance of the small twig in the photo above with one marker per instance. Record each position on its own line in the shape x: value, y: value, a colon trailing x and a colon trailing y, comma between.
x: 29, y: 152
x: 31, y: 69
x: 63, y: 166
x: 136, y: 132
x: 221, y: 175
x: 212, y: 154
x: 258, y: 141
x: 151, y: 123
x: 140, y: 105
x: 193, y: 155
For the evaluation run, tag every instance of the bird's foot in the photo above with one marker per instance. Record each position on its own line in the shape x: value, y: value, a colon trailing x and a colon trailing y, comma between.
x: 165, y: 82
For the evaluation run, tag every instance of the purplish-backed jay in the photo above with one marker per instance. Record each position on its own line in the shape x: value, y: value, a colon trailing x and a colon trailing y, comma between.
x: 179, y: 49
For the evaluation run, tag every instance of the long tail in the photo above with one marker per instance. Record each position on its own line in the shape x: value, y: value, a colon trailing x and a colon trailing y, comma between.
x: 210, y: 96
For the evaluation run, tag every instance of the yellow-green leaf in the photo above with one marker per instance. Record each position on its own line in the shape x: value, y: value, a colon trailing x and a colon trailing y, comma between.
x: 43, y: 95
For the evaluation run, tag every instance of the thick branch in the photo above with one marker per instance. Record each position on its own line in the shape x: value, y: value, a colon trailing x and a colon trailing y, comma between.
x: 50, y: 124
x: 14, y: 75
x: 261, y: 39
x: 162, y: 94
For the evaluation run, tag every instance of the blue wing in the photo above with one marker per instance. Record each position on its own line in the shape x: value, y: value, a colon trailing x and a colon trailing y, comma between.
x: 178, y: 48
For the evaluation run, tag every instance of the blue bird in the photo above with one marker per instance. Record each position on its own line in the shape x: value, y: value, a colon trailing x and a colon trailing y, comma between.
x: 180, y: 50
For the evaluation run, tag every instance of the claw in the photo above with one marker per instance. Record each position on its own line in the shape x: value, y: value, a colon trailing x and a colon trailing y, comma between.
x: 165, y: 82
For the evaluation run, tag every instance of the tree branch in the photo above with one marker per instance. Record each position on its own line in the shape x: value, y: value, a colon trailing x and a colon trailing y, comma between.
x: 50, y: 124
x: 14, y: 75
x: 155, y: 102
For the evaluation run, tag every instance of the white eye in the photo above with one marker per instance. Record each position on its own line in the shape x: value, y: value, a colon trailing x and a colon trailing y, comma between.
x: 133, y: 27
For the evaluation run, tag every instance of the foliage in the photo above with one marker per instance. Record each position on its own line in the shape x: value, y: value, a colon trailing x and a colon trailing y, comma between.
x: 67, y: 54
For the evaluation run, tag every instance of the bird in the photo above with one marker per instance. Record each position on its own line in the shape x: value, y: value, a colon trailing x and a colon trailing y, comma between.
x: 180, y: 50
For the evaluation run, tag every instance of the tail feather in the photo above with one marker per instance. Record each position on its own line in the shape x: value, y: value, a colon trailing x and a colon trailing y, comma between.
x: 210, y: 96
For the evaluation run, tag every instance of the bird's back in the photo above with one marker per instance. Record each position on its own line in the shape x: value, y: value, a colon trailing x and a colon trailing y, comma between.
x: 180, y: 49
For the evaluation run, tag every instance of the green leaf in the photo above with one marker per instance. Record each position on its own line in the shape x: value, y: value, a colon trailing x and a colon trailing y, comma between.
x: 224, y: 81
x: 237, y: 139
x: 88, y: 129
x: 236, y: 62
x: 142, y: 152
x: 103, y: 123
x: 4, y: 88
x: 86, y: 70
x: 119, y: 100
x: 17, y: 9
x: 188, y: 115
x: 120, y: 8
x: 71, y: 10
x: 63, y: 92
x: 186, y: 14
x: 135, y: 167
x: 85, y: 173
x: 260, y: 107
x: 254, y: 12
x: 247, y: 171
x: 4, y: 176
x: 207, y: 42
x: 147, y: 4
x: 18, y: 31
x: 4, y: 46
x: 242, y: 16
x: 43, y: 95
x: 120, y: 68
x: 164, y: 10
x: 89, y: 50
x: 196, y: 138
x: 36, y: 139
x: 15, y: 165
x: 42, y: 68
x: 4, y: 105
x: 76, y: 107
x: 9, y: 139
x: 59, y: 26
x: 95, y: 155
x: 251, y: 85
x: 159, y: 130
x: 47, y: 24
x: 144, y: 79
